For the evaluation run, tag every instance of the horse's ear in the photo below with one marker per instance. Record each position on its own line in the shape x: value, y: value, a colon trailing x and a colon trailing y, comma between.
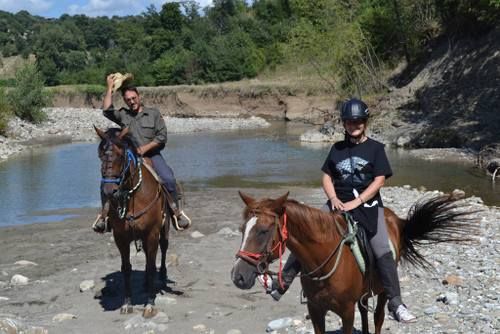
x: 246, y: 199
x: 279, y: 203
x: 100, y: 133
x: 123, y: 133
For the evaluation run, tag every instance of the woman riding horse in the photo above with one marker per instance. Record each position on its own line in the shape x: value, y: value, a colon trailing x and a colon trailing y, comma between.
x: 353, y: 173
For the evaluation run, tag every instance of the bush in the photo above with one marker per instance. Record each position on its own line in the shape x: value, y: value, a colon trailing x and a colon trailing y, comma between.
x: 5, y: 112
x: 28, y: 96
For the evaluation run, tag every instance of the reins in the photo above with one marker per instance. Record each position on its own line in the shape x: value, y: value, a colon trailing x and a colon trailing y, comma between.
x: 123, y: 195
x: 347, y: 238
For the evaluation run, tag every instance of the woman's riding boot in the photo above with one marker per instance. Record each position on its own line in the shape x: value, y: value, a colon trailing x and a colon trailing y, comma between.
x: 388, y: 273
x: 272, y: 285
x: 290, y: 270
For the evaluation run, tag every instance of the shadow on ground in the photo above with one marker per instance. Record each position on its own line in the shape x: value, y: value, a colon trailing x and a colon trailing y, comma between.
x: 112, y: 295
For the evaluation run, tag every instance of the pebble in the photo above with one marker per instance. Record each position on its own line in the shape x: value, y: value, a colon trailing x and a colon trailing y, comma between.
x: 234, y: 331
x: 25, y: 263
x: 63, y: 316
x: 19, y: 280
x: 227, y: 232
x: 197, y: 235
x: 165, y: 301
x: 87, y: 285
x: 279, y: 324
x: 431, y: 310
x: 200, y: 328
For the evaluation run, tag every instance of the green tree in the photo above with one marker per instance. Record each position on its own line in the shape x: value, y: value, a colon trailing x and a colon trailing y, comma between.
x: 28, y: 98
x: 236, y: 57
x: 171, y: 67
x: 171, y: 17
x: 5, y: 112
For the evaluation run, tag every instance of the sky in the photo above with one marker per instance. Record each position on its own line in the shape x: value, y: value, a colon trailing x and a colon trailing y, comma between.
x: 55, y: 8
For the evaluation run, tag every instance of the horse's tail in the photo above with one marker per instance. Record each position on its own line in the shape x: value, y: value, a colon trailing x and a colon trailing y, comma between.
x: 435, y: 220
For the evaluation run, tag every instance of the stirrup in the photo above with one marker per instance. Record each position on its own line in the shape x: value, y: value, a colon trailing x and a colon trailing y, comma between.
x: 175, y: 221
x: 303, y: 298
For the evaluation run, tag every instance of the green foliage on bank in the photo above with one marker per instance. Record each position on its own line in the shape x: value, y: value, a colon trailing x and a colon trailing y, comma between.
x: 345, y: 44
x: 27, y: 97
x: 5, y: 112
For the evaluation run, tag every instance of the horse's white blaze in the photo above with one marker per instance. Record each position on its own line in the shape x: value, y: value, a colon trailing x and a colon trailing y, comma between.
x: 250, y: 224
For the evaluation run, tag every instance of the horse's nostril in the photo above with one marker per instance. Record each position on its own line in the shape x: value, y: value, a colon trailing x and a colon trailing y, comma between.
x: 238, y: 280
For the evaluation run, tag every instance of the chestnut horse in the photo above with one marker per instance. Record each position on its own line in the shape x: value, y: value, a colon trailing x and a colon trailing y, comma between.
x: 331, y: 278
x: 134, y: 203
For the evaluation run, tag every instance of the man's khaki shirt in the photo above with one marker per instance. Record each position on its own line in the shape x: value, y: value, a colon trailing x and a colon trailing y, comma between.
x: 145, y: 126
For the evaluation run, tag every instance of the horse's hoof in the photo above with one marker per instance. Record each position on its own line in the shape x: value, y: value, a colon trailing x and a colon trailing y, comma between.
x: 149, y: 312
x: 126, y: 309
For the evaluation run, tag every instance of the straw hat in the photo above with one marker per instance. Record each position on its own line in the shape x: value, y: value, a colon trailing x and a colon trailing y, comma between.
x: 119, y: 79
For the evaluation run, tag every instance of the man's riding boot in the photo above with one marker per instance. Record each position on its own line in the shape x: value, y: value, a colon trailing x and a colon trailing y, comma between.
x: 99, y: 225
x: 175, y: 204
x: 180, y: 220
x: 388, y: 273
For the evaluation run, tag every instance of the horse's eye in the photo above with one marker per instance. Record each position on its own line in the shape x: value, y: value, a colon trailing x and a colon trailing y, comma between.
x: 262, y: 232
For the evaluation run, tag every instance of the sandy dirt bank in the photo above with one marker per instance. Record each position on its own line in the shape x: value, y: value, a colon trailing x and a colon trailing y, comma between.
x: 201, y: 297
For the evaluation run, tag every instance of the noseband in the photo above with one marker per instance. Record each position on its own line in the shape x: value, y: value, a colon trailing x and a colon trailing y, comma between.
x: 261, y: 261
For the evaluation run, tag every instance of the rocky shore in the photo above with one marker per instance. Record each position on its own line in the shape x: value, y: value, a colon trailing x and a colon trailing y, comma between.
x: 65, y: 125
x: 63, y: 278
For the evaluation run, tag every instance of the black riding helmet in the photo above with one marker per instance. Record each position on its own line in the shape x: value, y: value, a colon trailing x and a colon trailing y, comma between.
x: 354, y: 109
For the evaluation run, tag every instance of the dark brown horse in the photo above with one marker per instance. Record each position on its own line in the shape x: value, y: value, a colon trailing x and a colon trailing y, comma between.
x: 134, y: 203
x: 314, y: 236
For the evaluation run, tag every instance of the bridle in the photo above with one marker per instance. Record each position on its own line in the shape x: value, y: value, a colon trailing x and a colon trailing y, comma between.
x: 122, y: 195
x: 262, y: 260
x: 130, y: 158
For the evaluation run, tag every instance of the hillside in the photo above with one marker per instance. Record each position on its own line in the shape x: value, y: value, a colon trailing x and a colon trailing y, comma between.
x: 451, y: 99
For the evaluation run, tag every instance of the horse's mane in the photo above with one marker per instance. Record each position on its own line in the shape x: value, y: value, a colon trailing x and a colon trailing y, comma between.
x: 312, y: 223
x: 126, y: 141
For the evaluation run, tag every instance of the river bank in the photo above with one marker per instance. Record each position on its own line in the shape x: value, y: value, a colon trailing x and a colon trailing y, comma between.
x: 66, y: 125
x: 459, y: 296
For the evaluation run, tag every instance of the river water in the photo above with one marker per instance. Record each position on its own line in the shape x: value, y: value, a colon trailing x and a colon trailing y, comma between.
x: 35, y: 185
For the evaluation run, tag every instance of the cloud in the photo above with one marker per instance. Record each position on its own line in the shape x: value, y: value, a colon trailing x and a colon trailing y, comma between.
x: 107, y: 8
x: 119, y: 7
x: 36, y: 7
x: 53, y: 8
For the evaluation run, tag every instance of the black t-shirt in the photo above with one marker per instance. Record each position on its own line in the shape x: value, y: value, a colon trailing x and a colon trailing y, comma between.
x: 352, y: 168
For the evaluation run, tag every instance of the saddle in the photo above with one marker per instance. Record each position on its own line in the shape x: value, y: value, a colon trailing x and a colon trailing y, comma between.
x: 101, y: 225
x: 360, y: 245
x: 177, y: 212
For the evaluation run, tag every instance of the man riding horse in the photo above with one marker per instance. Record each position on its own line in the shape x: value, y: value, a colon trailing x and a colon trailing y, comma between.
x: 147, y: 127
